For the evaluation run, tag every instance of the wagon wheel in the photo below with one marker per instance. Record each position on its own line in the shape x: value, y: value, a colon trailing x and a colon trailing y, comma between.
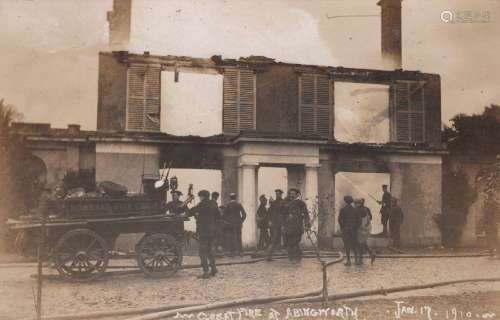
x: 159, y: 255
x: 81, y: 255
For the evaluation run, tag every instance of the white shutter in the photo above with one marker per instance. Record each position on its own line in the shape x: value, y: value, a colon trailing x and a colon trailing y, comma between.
x: 409, y: 111
x: 143, y: 98
x: 315, y: 104
x: 238, y: 112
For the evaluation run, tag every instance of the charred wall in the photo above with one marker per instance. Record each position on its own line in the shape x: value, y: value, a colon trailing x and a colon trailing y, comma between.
x: 432, y: 98
x: 277, y: 100
x: 112, y: 94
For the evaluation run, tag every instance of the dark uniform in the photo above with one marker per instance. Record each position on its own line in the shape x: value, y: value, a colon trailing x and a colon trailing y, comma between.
x: 395, y: 221
x: 263, y: 225
x: 294, y: 220
x: 276, y: 213
x: 349, y: 222
x: 385, y: 210
x: 206, y: 214
x: 234, y: 215
x: 176, y: 207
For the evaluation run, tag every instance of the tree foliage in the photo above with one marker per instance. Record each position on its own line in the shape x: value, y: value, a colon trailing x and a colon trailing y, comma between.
x: 474, y: 135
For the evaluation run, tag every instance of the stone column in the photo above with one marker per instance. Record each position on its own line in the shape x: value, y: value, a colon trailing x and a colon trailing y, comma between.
x: 248, y: 199
x: 311, y: 192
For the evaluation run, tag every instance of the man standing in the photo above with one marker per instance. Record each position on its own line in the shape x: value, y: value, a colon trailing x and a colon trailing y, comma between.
x: 364, y: 229
x: 206, y: 213
x: 235, y: 215
x: 395, y: 221
x: 349, y: 222
x: 176, y: 206
x: 263, y: 223
x: 296, y: 218
x: 385, y: 210
x: 276, y: 213
x: 219, y: 234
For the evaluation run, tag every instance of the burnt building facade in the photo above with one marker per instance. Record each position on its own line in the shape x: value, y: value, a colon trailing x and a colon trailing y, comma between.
x: 267, y: 114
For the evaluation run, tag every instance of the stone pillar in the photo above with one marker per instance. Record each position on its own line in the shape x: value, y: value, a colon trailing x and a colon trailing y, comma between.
x: 326, y: 185
x: 230, y: 173
x: 248, y: 199
x: 311, y: 193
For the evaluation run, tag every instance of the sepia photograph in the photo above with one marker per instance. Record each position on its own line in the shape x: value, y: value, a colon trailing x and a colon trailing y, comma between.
x: 249, y: 159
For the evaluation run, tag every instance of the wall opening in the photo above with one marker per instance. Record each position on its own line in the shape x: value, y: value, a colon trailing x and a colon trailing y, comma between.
x: 191, y: 103
x: 361, y: 185
x: 361, y: 112
x: 270, y: 179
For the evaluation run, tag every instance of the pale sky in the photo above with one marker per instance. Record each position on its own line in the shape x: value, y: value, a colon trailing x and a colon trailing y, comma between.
x: 49, y: 48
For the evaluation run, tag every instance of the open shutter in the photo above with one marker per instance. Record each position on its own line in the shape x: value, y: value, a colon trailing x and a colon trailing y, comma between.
x: 238, y: 111
x: 402, y: 133
x: 247, y: 100
x: 417, y: 111
x: 152, y: 98
x: 135, y: 98
x: 408, y: 112
x: 315, y: 104
x: 143, y: 99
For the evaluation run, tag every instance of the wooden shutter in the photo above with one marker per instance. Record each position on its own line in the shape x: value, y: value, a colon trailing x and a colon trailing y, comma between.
x: 152, y: 98
x: 408, y: 112
x: 238, y: 112
x: 315, y: 104
x: 143, y: 99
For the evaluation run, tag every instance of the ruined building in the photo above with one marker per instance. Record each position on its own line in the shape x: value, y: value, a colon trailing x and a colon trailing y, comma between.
x: 267, y: 114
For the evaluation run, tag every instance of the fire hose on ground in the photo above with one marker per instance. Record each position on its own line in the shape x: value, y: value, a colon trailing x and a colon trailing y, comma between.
x: 307, y: 297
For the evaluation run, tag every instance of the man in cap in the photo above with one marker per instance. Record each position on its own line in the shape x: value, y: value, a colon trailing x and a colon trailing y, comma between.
x: 395, y: 221
x: 176, y: 206
x: 364, y: 229
x: 235, y: 215
x: 276, y: 212
x: 206, y: 214
x: 263, y: 223
x: 385, y: 209
x: 219, y: 234
x: 295, y: 219
x: 349, y: 222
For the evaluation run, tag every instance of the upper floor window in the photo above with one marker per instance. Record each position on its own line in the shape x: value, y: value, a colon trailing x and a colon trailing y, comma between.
x: 238, y: 111
x: 315, y: 104
x: 191, y: 103
x: 408, y: 112
x: 361, y: 112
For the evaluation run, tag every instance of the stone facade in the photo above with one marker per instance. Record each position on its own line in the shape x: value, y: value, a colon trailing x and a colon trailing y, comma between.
x: 281, y: 135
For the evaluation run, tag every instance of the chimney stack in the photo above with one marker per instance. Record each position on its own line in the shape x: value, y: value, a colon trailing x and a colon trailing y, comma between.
x: 119, y: 24
x: 391, y: 33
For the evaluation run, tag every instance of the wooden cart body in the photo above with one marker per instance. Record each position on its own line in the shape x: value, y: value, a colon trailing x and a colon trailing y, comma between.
x: 80, y: 233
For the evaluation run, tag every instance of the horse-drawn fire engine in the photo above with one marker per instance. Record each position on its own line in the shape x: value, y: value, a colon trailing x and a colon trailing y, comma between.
x: 80, y: 232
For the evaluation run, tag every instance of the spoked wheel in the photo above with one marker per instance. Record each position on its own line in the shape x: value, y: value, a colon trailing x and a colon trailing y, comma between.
x: 159, y: 255
x: 81, y: 255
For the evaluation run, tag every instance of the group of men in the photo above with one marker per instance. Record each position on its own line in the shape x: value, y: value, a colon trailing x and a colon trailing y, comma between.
x: 282, y: 224
x: 216, y: 226
x: 355, y: 225
x: 220, y: 226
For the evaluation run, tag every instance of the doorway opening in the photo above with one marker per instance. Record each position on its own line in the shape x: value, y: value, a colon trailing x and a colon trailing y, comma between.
x: 361, y: 185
